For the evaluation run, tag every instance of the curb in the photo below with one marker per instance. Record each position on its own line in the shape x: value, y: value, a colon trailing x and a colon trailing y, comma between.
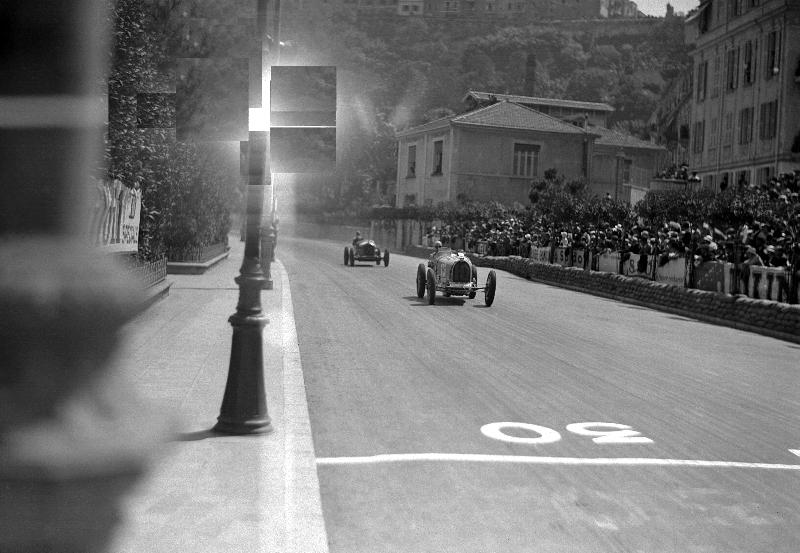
x: 305, y: 525
x: 190, y: 268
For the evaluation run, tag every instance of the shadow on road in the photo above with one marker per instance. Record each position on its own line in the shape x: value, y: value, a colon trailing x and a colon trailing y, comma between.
x: 440, y: 301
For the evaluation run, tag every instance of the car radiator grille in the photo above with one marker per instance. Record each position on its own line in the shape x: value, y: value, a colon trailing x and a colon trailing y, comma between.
x: 461, y: 272
x: 367, y: 250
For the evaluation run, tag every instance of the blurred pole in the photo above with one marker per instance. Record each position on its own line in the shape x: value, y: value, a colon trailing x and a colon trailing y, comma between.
x: 73, y: 438
x: 244, y: 405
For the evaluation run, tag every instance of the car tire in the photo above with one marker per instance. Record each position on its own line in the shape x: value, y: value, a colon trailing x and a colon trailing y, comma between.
x: 346, y: 255
x: 421, y: 280
x: 378, y: 258
x: 474, y: 282
x: 491, y: 285
x: 430, y: 281
x: 352, y: 257
x: 386, y: 258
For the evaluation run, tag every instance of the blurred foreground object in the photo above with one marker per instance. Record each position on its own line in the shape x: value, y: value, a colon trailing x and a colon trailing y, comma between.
x: 72, y: 438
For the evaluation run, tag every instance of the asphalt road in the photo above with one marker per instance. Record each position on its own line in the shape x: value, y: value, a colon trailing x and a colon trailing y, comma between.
x: 628, y: 429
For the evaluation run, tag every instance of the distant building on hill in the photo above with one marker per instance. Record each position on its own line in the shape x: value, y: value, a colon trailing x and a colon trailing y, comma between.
x: 526, y: 10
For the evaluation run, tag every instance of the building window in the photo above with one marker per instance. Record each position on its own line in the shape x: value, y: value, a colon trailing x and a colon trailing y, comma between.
x: 732, y: 67
x: 745, y: 125
x: 763, y: 174
x: 702, y: 78
x: 437, y: 157
x: 627, y: 164
x: 412, y: 162
x: 749, y: 63
x: 743, y: 178
x: 713, y: 134
x: 727, y: 135
x: 410, y: 199
x: 716, y: 77
x: 736, y: 7
x: 773, y: 54
x: 526, y: 160
x: 698, y: 136
x: 768, y: 120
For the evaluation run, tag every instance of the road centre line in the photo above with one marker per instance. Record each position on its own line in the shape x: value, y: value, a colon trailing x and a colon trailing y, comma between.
x: 535, y: 460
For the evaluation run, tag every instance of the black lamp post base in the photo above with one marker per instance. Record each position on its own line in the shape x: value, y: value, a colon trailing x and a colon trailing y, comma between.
x: 244, y: 406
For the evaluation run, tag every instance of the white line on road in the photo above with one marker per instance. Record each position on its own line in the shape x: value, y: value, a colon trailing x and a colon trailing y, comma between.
x: 532, y: 460
x: 795, y: 451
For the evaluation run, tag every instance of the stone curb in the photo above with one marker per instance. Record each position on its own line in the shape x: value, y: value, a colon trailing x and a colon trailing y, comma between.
x: 189, y: 268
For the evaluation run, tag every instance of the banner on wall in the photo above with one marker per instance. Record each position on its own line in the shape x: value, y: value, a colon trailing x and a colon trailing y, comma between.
x: 608, y: 262
x: 632, y: 267
x: 114, y: 218
x: 710, y: 277
x: 540, y: 255
x: 562, y: 257
x: 673, y: 272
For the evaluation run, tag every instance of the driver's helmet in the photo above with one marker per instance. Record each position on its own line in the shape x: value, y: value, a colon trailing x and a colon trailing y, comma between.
x: 358, y: 234
x: 437, y: 244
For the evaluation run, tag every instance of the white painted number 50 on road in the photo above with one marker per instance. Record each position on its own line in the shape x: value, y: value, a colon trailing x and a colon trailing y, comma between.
x: 600, y: 432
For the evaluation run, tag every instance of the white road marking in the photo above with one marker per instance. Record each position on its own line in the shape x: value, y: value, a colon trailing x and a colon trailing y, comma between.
x: 533, y: 460
x: 495, y: 431
x: 795, y: 451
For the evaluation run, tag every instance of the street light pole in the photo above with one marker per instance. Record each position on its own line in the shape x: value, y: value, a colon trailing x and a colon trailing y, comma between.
x: 244, y: 405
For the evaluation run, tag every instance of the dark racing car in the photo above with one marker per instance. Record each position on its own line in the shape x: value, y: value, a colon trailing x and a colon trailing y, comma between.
x: 365, y: 250
x: 453, y: 274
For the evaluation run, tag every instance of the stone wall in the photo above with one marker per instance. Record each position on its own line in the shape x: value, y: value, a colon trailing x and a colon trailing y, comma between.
x: 778, y: 320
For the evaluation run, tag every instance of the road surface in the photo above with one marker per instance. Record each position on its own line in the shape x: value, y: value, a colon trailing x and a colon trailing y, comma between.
x: 552, y: 421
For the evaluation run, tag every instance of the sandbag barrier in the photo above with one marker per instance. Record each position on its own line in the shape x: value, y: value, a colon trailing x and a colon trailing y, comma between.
x: 779, y: 320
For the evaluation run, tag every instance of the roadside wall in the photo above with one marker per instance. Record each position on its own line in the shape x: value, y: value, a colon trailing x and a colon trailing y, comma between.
x: 778, y: 320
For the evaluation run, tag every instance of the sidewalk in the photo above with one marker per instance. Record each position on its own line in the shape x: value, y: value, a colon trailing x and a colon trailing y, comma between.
x: 212, y: 493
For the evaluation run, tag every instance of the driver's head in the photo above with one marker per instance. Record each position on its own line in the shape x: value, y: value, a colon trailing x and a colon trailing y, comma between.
x: 437, y: 245
x: 358, y: 234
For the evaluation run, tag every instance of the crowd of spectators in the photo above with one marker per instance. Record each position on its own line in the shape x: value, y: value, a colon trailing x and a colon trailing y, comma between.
x: 775, y: 243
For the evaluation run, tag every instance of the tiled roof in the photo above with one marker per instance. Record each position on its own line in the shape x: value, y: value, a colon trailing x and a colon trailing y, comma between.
x: 514, y: 116
x: 534, y: 101
x: 609, y: 137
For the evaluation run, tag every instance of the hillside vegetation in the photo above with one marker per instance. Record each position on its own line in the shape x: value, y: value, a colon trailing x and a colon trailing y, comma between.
x: 398, y: 72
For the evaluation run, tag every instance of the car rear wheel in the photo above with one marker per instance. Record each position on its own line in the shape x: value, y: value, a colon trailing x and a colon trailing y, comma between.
x: 491, y: 284
x: 474, y: 282
x: 352, y: 257
x: 346, y: 255
x: 386, y: 258
x: 421, y: 280
x: 431, y: 285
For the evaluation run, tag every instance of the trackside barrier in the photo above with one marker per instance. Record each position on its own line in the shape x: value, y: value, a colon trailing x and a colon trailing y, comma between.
x: 561, y: 256
x: 630, y: 267
x: 481, y: 247
x: 769, y: 283
x: 609, y: 262
x: 672, y: 272
x: 540, y: 255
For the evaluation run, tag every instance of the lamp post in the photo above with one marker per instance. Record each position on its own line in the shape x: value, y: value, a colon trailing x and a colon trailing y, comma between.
x: 244, y: 404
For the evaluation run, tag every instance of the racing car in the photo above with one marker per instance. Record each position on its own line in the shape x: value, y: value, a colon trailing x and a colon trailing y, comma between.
x: 365, y: 250
x: 453, y: 274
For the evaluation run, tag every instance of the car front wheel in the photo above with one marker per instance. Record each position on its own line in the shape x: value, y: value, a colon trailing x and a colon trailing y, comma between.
x: 352, y: 257
x: 386, y: 258
x: 421, y: 280
x: 491, y: 284
x: 346, y: 255
x: 431, y: 285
